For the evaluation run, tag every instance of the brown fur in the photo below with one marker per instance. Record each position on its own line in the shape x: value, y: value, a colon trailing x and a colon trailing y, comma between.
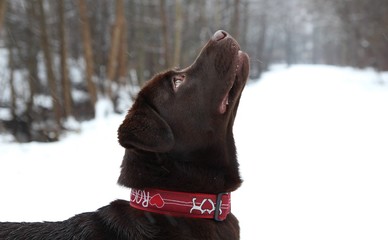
x: 176, y: 138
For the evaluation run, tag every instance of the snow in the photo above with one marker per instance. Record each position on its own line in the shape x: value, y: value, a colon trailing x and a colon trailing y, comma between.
x: 5, y: 114
x: 312, y: 145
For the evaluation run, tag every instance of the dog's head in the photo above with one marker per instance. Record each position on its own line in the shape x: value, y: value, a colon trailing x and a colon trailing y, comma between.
x: 191, y: 108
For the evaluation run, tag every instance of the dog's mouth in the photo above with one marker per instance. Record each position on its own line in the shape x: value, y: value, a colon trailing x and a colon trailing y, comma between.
x: 237, y: 81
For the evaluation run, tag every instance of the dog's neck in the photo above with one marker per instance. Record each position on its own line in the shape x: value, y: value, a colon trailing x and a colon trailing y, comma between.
x: 217, y: 172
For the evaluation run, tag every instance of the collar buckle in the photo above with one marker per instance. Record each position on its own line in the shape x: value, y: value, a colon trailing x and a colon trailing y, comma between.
x: 217, y: 210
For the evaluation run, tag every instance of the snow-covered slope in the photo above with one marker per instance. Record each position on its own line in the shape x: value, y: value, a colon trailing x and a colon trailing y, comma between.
x: 313, y: 150
x: 313, y: 144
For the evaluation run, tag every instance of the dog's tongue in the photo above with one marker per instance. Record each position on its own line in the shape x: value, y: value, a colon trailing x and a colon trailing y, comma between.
x: 224, y: 103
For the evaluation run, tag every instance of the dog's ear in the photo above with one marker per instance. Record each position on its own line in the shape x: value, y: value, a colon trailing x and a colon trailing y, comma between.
x: 143, y: 128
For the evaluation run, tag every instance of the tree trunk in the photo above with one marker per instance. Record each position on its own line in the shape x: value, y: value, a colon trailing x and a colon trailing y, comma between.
x: 245, y: 25
x: 217, y: 16
x: 140, y: 39
x: 178, y: 33
x: 88, y: 51
x: 165, y: 37
x: 3, y: 10
x: 123, y: 53
x: 113, y: 60
x: 32, y: 65
x: 12, y: 82
x: 48, y: 65
x: 262, y: 41
x: 66, y: 86
x: 236, y: 20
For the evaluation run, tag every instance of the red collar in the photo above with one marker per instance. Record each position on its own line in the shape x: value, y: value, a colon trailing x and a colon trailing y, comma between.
x: 182, y: 204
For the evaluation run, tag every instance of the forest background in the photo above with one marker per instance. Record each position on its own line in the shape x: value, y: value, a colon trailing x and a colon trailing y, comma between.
x: 59, y: 58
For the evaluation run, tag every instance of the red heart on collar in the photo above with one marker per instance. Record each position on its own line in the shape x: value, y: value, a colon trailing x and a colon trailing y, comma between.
x: 157, y: 201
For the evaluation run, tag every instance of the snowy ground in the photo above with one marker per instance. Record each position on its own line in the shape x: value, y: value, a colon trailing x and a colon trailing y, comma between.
x: 313, y: 149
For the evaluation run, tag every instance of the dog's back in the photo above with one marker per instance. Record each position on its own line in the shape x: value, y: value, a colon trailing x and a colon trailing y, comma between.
x: 119, y: 221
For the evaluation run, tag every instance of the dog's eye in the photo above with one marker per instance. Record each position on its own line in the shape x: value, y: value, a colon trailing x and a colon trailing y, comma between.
x: 178, y: 80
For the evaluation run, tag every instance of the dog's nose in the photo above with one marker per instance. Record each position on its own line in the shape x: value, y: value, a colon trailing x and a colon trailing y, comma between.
x: 219, y: 35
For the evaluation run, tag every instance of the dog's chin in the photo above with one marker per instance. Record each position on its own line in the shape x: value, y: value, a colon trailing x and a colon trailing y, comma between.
x: 237, y: 82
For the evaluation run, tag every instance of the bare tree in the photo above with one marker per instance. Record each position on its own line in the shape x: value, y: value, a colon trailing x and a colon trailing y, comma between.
x: 116, y: 44
x: 45, y: 44
x: 32, y: 66
x: 178, y: 32
x: 262, y: 39
x: 66, y: 85
x: 11, y: 66
x: 235, y: 23
x: 3, y: 10
x: 140, y: 45
x: 123, y: 53
x: 88, y: 51
x: 166, y: 48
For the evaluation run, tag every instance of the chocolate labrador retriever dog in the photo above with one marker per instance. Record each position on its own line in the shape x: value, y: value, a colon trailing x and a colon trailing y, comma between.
x: 180, y: 158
